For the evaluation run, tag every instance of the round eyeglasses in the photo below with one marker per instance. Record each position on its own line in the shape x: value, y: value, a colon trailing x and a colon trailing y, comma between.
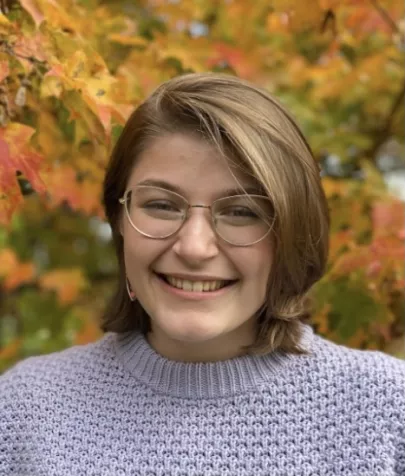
x: 241, y: 220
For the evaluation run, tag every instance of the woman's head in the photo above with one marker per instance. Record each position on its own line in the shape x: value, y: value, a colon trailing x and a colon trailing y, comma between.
x: 203, y: 134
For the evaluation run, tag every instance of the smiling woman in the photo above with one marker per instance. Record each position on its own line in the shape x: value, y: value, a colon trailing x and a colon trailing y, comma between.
x: 209, y: 365
x: 201, y: 140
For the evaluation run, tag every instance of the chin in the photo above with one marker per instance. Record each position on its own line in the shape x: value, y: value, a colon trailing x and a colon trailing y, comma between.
x: 190, y: 331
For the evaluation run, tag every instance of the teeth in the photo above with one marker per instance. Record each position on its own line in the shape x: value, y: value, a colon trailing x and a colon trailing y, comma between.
x: 197, y: 286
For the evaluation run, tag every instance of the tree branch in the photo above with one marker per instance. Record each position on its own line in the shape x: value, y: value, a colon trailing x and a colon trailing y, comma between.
x: 385, y: 16
x: 381, y: 135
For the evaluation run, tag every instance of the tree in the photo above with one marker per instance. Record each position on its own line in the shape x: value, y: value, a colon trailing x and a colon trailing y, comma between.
x: 71, y: 72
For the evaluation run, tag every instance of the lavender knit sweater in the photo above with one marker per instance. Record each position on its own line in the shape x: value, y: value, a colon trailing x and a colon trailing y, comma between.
x: 116, y: 407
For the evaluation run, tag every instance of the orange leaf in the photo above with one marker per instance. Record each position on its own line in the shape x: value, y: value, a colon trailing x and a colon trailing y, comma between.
x: 357, y: 258
x: 8, y: 204
x: 301, y: 15
x: 89, y: 333
x: 67, y: 283
x: 17, y: 154
x: 8, y: 261
x: 388, y: 247
x: 4, y: 70
x: 23, y: 273
x: 63, y: 187
x: 244, y: 64
x: 14, y: 272
x: 11, y: 350
x: 388, y: 217
x: 338, y: 241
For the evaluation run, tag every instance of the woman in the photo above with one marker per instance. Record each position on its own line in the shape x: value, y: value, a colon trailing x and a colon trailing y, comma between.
x: 209, y: 365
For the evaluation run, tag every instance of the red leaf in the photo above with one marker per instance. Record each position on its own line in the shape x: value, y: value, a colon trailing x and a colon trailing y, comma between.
x: 4, y: 71
x: 17, y: 155
x: 388, y: 217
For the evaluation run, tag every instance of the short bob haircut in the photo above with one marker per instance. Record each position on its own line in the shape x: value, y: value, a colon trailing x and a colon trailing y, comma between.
x: 252, y: 130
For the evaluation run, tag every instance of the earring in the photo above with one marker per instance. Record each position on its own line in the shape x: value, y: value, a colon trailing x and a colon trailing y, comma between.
x: 131, y: 294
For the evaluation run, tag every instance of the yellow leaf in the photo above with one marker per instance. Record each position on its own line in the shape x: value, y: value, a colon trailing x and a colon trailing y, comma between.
x: 128, y: 40
x: 31, y: 6
x: 301, y: 15
x: 333, y: 187
x: 5, y: 25
x: 277, y: 22
x: 56, y: 15
x: 51, y: 86
x: 67, y: 283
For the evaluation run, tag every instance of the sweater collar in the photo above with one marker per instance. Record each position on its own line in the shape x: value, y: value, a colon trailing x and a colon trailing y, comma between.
x: 203, y: 380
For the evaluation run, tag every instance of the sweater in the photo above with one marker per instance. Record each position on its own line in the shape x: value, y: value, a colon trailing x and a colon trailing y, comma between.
x: 116, y: 407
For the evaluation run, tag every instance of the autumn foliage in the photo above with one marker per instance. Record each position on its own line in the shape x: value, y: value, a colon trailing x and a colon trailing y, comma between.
x: 71, y: 71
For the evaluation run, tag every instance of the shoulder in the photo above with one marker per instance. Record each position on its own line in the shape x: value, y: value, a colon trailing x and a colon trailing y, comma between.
x: 41, y: 373
x: 370, y: 376
x: 348, y: 361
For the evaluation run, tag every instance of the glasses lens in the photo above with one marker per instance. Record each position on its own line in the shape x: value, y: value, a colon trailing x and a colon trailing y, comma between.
x: 243, y: 219
x: 155, y: 212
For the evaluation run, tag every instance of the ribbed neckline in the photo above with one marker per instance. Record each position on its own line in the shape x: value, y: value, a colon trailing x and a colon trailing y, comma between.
x: 202, y: 380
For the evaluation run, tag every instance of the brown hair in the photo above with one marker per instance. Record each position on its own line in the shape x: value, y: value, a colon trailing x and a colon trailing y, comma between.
x: 246, y: 123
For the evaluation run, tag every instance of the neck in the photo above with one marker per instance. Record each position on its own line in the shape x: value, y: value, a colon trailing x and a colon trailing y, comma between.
x: 205, y: 380
x: 214, y: 349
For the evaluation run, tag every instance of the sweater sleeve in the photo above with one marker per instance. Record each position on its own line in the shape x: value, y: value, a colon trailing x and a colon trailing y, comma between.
x: 398, y: 397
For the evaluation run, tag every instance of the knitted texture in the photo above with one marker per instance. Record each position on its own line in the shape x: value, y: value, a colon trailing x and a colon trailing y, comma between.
x: 115, y: 407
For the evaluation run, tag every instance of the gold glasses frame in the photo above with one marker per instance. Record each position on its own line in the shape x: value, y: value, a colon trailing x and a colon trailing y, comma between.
x: 124, y: 200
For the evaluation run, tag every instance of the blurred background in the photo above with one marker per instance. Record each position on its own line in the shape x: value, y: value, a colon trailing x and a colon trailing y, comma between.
x: 71, y: 71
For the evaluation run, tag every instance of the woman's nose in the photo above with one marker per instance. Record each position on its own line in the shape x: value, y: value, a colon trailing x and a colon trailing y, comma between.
x: 197, y: 241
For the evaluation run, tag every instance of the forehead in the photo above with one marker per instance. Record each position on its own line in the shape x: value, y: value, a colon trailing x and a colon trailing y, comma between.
x: 191, y: 165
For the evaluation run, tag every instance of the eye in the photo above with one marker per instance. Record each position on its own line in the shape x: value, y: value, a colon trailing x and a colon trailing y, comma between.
x: 162, y: 205
x: 238, y: 211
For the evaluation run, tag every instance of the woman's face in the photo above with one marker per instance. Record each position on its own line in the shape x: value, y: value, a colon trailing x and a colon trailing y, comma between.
x: 195, y: 325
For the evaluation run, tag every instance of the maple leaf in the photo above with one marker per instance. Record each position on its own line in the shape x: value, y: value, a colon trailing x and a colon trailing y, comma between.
x: 244, y: 64
x: 92, y: 80
x: 301, y: 15
x: 6, y: 26
x: 4, y: 70
x: 23, y: 273
x: 63, y: 187
x: 388, y: 218
x: 8, y: 261
x: 14, y: 272
x: 17, y: 155
x: 67, y: 283
x: 52, y: 11
x: 31, y: 6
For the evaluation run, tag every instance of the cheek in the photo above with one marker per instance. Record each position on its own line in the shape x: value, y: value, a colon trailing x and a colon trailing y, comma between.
x: 257, y: 266
x: 140, y: 253
x: 134, y: 250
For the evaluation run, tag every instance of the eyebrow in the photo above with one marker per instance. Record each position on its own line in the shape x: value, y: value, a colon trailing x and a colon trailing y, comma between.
x: 229, y: 192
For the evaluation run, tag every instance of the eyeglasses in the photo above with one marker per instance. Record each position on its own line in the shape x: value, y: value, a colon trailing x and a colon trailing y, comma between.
x: 241, y: 220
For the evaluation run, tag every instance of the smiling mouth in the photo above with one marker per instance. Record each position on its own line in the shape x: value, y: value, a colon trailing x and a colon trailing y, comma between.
x: 195, y: 286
